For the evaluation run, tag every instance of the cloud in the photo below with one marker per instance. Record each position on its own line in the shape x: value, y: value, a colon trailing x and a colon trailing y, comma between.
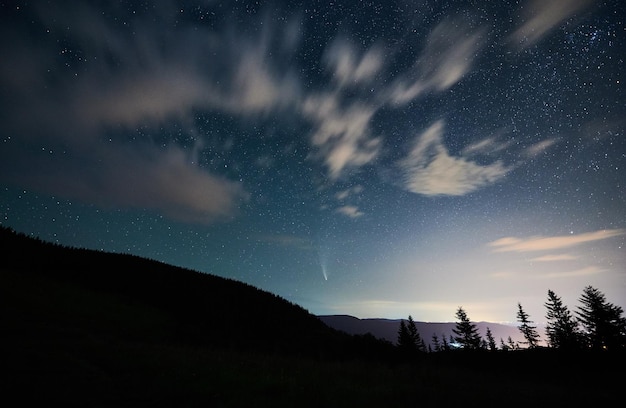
x: 350, y: 211
x: 502, y: 275
x: 346, y: 66
x: 447, y: 56
x: 486, y: 146
x: 430, y: 170
x: 257, y: 88
x: 343, y: 194
x: 587, y: 271
x: 168, y: 77
x: 541, y: 16
x: 539, y: 147
x: 162, y: 180
x: 144, y: 77
x: 512, y: 244
x: 342, y: 131
x: 554, y: 258
x: 341, y: 135
x: 147, y: 73
x: 133, y: 99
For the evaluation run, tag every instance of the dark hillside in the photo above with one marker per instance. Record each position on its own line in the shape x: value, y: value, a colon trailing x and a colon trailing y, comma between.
x: 124, y: 295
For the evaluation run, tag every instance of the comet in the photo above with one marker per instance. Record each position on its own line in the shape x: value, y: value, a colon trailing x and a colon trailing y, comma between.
x: 323, y: 256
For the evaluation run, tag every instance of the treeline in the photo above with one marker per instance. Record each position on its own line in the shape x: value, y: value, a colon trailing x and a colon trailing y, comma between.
x: 597, y: 324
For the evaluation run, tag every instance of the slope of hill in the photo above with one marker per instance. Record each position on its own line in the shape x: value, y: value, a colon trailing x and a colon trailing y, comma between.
x: 387, y: 329
x: 136, y: 296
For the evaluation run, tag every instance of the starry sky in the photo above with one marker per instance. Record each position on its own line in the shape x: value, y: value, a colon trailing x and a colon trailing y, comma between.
x: 375, y: 158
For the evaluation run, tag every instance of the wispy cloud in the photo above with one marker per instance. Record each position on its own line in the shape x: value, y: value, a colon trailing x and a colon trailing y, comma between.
x: 429, y: 169
x: 350, y: 211
x: 343, y: 194
x: 541, y: 16
x: 554, y: 258
x: 486, y: 146
x: 146, y: 77
x: 502, y: 274
x: 348, y: 68
x: 145, y: 177
x: 448, y: 55
x: 539, y: 147
x: 342, y: 135
x: 342, y: 129
x: 144, y: 80
x: 587, y: 271
x: 513, y: 244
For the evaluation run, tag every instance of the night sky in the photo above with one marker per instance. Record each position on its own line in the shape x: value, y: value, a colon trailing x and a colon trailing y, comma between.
x: 373, y: 158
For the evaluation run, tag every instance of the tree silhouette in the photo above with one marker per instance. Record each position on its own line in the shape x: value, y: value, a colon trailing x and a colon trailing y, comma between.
x: 562, y: 329
x: 466, y: 332
x: 404, y: 339
x: 415, y: 336
x: 511, y: 344
x: 409, y: 338
x: 491, y: 342
x: 445, y: 345
x: 603, y: 324
x: 529, y: 331
x: 435, y: 342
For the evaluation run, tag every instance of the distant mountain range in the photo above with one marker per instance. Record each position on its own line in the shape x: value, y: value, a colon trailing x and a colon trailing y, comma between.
x: 387, y: 329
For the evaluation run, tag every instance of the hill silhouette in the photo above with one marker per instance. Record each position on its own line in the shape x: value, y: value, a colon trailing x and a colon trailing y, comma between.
x: 131, y: 297
x: 82, y: 327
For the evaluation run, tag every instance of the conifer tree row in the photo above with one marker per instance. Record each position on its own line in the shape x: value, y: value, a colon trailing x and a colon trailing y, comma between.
x: 598, y: 325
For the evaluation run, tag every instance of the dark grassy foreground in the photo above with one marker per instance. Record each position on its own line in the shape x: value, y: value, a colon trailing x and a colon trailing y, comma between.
x: 82, y: 328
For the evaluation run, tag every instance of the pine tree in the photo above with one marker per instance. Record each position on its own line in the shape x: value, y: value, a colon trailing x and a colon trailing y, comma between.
x: 529, y: 331
x: 404, y: 338
x: 491, y: 342
x: 415, y: 336
x: 503, y: 345
x: 562, y: 329
x: 435, y: 342
x: 466, y: 332
x: 603, y: 324
x: 409, y: 338
x: 445, y: 344
x: 511, y: 344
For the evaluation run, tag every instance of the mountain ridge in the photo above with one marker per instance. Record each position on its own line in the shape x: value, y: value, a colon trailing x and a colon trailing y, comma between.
x: 387, y: 329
